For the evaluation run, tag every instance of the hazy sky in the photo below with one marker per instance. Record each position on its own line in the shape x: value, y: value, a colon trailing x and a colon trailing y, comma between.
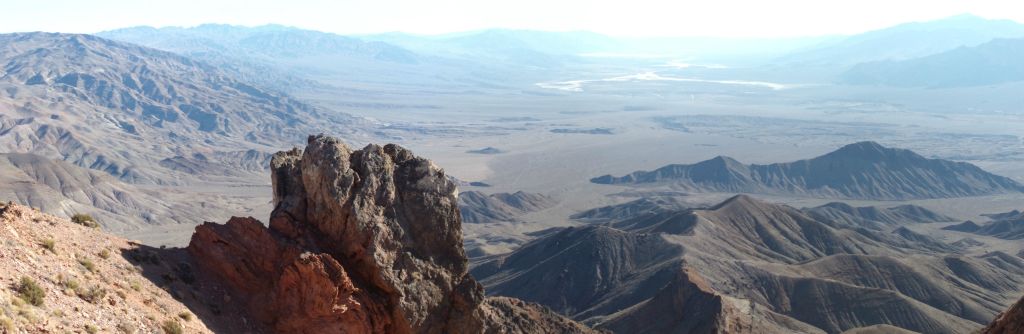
x: 624, y: 17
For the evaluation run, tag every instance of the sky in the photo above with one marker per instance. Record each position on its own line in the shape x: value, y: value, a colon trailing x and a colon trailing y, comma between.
x: 717, y: 18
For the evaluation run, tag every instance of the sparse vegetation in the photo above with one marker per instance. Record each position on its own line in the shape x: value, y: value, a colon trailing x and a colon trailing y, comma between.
x: 6, y: 324
x: 91, y: 329
x: 127, y: 328
x: 50, y: 245
x: 93, y: 295
x: 85, y: 220
x: 91, y: 267
x: 172, y: 327
x: 31, y: 292
x: 69, y: 284
x: 105, y: 254
x: 184, y: 315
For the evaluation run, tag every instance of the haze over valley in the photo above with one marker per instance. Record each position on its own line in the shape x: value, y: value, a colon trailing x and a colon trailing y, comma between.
x: 577, y: 181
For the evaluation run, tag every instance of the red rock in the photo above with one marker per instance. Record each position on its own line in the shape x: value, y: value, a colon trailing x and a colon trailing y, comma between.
x: 366, y: 241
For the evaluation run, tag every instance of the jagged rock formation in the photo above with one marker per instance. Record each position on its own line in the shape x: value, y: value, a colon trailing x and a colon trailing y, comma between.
x: 864, y: 170
x: 479, y: 208
x: 775, y: 267
x: 365, y: 241
x: 1009, y: 322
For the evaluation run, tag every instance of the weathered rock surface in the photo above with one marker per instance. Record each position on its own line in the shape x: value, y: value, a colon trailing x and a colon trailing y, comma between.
x: 1009, y: 322
x: 360, y: 241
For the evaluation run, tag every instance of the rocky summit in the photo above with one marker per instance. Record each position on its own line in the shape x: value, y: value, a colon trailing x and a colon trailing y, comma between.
x: 360, y: 241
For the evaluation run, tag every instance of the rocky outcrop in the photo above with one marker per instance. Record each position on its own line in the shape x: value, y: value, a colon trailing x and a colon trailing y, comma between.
x: 360, y: 241
x: 1009, y: 322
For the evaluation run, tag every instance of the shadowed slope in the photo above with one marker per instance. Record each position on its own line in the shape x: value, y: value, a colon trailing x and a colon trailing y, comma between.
x: 774, y: 265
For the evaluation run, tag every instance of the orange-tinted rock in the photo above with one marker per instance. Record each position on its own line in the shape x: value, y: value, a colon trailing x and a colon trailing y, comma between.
x: 1009, y: 322
x: 366, y: 241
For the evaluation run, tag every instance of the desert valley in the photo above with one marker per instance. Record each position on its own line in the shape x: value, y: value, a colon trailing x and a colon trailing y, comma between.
x: 272, y: 179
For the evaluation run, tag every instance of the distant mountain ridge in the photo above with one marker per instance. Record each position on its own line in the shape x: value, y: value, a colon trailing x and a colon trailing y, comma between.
x: 275, y: 40
x: 864, y: 170
x: 994, y: 62
x: 150, y: 104
x: 78, y: 106
x: 907, y: 41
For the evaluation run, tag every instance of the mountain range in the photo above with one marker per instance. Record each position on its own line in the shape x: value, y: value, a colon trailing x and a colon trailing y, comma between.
x: 906, y: 41
x: 151, y: 105
x: 762, y: 267
x: 97, y: 126
x: 993, y: 62
x: 864, y: 170
x: 1008, y: 226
